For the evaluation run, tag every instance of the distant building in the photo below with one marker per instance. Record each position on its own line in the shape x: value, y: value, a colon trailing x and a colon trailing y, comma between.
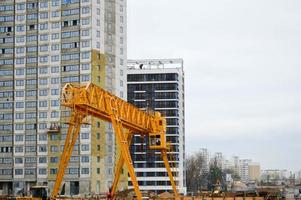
x: 275, y: 176
x: 244, y: 169
x: 254, y: 171
x: 158, y: 84
x: 235, y: 165
x: 206, y: 156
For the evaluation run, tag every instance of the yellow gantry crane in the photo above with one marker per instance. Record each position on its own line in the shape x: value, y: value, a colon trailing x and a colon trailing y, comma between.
x: 127, y: 120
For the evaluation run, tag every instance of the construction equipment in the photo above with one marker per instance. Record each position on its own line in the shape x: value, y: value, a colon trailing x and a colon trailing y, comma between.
x: 36, y: 193
x: 127, y: 120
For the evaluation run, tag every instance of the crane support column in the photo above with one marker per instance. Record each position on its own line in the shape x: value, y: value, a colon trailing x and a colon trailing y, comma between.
x: 119, y: 166
x: 71, y: 137
x: 169, y: 172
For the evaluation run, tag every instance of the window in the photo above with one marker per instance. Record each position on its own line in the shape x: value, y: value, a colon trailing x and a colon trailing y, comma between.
x: 20, y: 18
x: 42, y: 126
x: 53, y: 170
x: 44, y: 48
x: 86, y: 21
x: 55, y: 103
x: 43, y: 70
x: 42, y: 115
x: 18, y: 160
x: 55, y: 47
x: 18, y: 149
x: 98, y: 11
x: 30, y: 160
x: 32, y: 16
x: 42, y: 148
x: 44, y: 4
x: 55, y: 25
x: 70, y: 45
x: 43, y: 26
x: 55, y: 3
x: 55, y: 58
x: 19, y: 104
x: 85, y: 159
x: 74, y: 56
x: 55, y: 36
x: 85, y: 170
x: 43, y: 137
x: 30, y: 104
x: 30, y: 149
x: 43, y: 81
x: 31, y: 71
x: 86, y: 55
x: 85, y: 66
x: 19, y: 82
x: 19, y: 93
x: 85, y: 10
x: 42, y: 159
x: 85, y: 147
x: 43, y: 59
x: 70, y: 34
x: 55, y: 80
x: 86, y: 43
x: 19, y: 127
x: 18, y: 171
x: 70, y: 12
x: 55, y: 92
x: 85, y: 77
x: 54, y: 114
x: 85, y: 33
x: 55, y: 13
x: 44, y: 37
x: 20, y: 28
x: 54, y: 159
x: 43, y: 92
x: 31, y: 38
x: 85, y: 136
x: 55, y: 69
x: 54, y: 148
x: 42, y: 171
x: 70, y: 1
x: 19, y: 72
x: 21, y: 6
x: 30, y: 171
x: 20, y: 39
x: 44, y: 15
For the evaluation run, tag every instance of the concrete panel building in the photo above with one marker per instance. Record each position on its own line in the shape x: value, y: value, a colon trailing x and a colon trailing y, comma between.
x: 158, y: 84
x: 43, y: 45
x: 254, y: 171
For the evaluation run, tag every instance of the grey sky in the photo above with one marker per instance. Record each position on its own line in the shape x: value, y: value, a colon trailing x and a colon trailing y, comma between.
x: 242, y: 69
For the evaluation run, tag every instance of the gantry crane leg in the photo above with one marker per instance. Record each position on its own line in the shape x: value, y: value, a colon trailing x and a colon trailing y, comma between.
x: 71, y: 137
x: 125, y: 153
x: 119, y: 166
x: 169, y: 172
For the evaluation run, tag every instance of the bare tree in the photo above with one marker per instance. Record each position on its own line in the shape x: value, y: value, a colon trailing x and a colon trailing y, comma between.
x: 196, y: 175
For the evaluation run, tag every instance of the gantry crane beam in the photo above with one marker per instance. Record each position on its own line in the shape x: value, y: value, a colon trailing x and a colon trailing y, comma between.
x: 91, y: 100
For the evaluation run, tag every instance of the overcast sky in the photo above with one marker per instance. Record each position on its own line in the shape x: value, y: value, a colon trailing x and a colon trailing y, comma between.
x: 242, y: 61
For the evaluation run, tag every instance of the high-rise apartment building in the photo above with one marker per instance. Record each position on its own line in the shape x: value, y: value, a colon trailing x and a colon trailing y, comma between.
x: 244, y: 169
x: 254, y: 171
x: 43, y: 45
x: 158, y: 84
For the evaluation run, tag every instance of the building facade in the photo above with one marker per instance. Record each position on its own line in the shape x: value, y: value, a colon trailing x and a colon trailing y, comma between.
x: 45, y: 44
x: 159, y: 85
x: 254, y: 171
x: 244, y: 169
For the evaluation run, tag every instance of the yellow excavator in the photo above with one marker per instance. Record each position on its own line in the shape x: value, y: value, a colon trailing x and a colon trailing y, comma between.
x: 127, y: 120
